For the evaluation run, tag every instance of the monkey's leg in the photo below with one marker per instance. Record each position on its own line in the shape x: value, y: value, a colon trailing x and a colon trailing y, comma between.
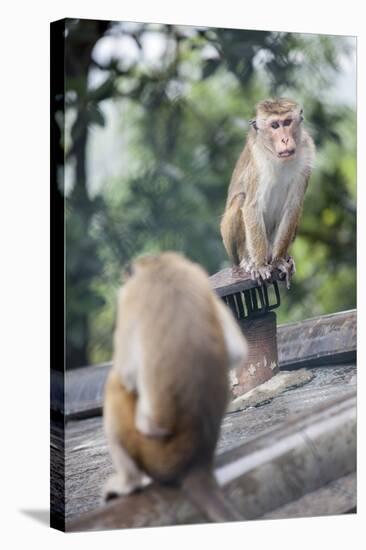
x: 233, y: 229
x: 119, y: 411
x: 129, y: 365
x: 132, y: 453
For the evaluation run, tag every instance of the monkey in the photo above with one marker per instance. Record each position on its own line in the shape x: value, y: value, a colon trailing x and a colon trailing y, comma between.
x: 266, y: 191
x: 168, y: 387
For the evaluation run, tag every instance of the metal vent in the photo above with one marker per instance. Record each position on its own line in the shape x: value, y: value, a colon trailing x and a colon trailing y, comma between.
x: 253, y: 301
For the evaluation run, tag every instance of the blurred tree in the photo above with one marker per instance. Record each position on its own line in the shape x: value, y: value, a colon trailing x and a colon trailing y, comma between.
x: 184, y: 117
x: 82, y: 261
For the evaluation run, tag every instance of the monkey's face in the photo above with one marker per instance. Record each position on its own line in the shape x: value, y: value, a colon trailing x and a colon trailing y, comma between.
x: 281, y: 134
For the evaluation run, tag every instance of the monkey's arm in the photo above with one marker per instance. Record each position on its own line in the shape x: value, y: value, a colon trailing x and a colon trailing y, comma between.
x: 283, y: 239
x: 129, y: 364
x: 288, y: 225
x: 285, y: 234
x: 234, y: 339
x: 118, y: 420
x: 127, y: 357
x: 151, y: 419
x: 256, y: 242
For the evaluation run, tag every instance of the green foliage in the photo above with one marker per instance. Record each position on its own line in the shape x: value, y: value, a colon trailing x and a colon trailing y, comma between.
x: 183, y: 119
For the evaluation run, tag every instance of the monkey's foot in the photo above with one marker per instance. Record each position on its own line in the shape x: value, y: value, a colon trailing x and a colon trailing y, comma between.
x: 244, y: 264
x: 259, y: 273
x: 286, y: 267
x: 117, y: 485
x: 238, y: 269
x: 147, y: 426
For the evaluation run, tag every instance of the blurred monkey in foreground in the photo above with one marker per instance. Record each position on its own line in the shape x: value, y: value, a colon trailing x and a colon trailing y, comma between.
x: 267, y: 189
x: 168, y: 388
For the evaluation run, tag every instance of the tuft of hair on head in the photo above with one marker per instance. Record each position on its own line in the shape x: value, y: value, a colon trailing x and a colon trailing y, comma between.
x: 277, y: 106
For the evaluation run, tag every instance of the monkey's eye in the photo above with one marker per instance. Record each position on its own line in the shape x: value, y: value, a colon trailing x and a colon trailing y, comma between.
x: 275, y: 125
x: 287, y: 122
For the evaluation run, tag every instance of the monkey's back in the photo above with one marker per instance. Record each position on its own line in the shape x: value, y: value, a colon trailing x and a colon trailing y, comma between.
x: 184, y: 363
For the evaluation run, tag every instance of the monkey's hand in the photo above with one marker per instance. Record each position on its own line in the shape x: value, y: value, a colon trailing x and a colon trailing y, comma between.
x: 287, y: 268
x: 292, y: 264
x: 117, y: 485
x: 258, y: 272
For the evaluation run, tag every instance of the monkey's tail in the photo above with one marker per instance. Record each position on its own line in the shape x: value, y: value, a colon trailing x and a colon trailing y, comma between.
x: 204, y: 492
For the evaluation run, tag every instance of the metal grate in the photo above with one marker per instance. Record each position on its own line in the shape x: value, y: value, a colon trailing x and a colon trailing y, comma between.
x: 253, y: 301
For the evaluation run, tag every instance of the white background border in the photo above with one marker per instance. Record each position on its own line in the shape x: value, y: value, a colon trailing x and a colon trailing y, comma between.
x: 24, y: 271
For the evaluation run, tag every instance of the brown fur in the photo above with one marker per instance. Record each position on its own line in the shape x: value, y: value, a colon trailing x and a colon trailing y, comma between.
x: 233, y: 229
x: 163, y: 459
x: 168, y: 302
x: 276, y: 106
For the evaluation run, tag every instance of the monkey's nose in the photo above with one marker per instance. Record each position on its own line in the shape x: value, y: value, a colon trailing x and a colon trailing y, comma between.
x: 285, y: 141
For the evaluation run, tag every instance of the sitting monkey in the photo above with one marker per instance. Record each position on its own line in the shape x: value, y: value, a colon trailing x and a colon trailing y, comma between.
x: 168, y: 388
x: 266, y: 191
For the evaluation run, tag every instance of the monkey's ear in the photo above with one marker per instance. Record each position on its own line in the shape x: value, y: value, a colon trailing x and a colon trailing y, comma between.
x: 254, y: 124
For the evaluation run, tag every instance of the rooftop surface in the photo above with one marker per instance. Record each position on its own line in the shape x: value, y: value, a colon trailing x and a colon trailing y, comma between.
x: 325, y: 347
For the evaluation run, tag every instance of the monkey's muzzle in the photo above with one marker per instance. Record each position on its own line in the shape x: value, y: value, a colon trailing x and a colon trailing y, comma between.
x: 286, y: 154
